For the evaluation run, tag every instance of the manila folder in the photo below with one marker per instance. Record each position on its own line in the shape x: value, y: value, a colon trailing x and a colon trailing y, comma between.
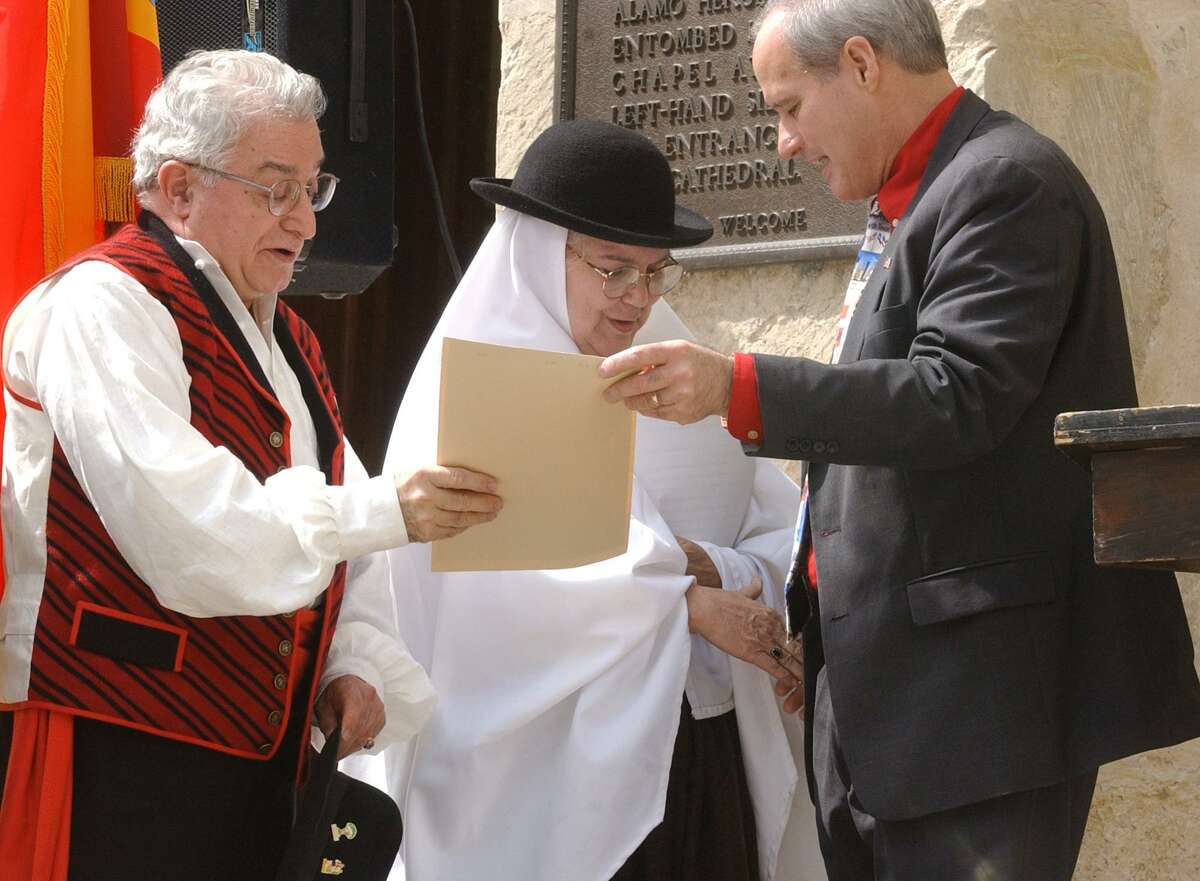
x: 562, y: 457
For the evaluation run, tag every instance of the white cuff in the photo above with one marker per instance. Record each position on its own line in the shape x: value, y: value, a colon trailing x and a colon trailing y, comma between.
x: 408, y: 697
x: 736, y: 569
x: 368, y: 517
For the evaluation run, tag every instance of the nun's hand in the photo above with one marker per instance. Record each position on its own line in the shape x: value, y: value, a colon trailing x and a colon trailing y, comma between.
x: 736, y: 623
x: 676, y: 380
x: 441, y: 502
x: 791, y: 693
x: 700, y: 565
x: 353, y: 705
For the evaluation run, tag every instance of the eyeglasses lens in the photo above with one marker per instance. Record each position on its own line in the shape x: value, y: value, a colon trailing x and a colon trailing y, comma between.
x: 326, y: 184
x: 620, y: 281
x: 286, y: 193
x: 283, y: 196
x: 665, y: 279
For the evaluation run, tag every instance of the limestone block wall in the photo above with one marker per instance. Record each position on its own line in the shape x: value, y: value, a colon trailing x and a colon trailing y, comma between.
x: 1117, y: 83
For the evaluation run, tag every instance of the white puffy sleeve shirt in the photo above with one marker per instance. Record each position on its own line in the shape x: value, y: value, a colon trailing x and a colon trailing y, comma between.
x: 103, y: 359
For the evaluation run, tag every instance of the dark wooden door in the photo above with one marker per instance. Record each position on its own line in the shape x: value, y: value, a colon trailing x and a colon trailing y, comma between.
x: 372, y: 340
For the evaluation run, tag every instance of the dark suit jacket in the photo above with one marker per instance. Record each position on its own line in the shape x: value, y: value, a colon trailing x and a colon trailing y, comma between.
x: 972, y: 646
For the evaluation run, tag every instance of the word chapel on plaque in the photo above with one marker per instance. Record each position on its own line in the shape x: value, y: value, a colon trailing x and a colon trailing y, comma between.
x: 679, y: 72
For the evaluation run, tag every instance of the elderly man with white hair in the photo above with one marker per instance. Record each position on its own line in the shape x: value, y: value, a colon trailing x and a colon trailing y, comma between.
x: 189, y: 539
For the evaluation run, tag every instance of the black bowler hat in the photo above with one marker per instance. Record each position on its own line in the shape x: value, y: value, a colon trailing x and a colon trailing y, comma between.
x: 344, y: 829
x: 601, y: 180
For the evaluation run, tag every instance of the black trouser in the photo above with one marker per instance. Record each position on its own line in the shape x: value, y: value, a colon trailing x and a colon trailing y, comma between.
x: 145, y: 808
x: 1026, y: 836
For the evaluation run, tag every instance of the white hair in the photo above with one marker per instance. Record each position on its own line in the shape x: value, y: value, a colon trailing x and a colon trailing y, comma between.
x: 907, y: 31
x: 202, y: 109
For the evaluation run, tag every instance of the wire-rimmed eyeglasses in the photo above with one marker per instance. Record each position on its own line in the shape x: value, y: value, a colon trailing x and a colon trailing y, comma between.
x: 620, y: 281
x: 283, y: 195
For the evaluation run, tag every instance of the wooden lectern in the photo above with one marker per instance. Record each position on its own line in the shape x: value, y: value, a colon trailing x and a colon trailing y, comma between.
x: 1145, y: 467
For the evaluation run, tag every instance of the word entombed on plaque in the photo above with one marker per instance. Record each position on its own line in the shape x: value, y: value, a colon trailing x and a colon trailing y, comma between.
x: 679, y: 72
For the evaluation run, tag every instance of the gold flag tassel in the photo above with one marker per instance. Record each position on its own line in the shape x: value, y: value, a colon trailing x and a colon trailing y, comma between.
x: 114, y: 189
x: 57, y: 31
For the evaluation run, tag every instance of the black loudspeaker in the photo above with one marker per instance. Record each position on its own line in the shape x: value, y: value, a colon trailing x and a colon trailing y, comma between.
x: 348, y: 46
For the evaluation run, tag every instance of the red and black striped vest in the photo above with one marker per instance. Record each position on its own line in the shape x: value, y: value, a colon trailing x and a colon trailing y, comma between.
x: 104, y: 647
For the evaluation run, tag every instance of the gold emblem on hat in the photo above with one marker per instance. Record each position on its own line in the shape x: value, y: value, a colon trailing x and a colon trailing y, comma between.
x: 332, y: 867
x: 347, y: 832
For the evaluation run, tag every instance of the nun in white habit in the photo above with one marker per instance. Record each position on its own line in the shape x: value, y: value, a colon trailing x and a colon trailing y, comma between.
x: 586, y: 729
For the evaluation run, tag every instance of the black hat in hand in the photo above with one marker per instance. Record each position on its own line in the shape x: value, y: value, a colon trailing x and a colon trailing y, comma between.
x: 345, y: 829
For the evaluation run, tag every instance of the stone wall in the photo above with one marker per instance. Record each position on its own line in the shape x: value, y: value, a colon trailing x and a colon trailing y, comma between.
x: 1117, y: 83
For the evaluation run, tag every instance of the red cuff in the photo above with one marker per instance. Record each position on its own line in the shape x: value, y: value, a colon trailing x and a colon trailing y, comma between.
x: 745, y: 418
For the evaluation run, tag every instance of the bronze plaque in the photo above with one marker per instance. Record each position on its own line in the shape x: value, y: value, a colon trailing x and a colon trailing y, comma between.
x: 679, y: 72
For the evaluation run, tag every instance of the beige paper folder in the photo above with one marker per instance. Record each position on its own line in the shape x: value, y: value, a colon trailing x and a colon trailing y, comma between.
x: 562, y: 455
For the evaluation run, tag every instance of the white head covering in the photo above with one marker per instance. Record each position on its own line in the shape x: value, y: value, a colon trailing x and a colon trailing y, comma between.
x: 548, y: 755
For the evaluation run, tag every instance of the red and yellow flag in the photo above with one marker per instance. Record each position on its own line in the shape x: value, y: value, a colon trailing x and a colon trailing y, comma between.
x: 74, y: 78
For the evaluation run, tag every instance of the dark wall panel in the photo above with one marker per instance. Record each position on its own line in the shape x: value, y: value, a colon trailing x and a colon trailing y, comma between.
x: 372, y: 341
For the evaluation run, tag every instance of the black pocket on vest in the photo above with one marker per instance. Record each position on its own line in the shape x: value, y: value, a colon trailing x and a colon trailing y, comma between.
x: 126, y: 637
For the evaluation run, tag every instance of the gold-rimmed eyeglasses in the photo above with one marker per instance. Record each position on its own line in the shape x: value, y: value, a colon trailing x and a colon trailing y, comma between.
x: 620, y: 281
x: 283, y: 195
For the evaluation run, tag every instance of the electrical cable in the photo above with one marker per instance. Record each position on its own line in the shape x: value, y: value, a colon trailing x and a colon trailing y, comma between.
x: 426, y: 153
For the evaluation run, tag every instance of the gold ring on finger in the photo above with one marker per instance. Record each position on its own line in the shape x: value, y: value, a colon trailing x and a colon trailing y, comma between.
x: 777, y: 653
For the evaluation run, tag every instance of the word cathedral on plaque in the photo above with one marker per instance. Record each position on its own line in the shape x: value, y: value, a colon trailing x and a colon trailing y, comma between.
x: 679, y: 72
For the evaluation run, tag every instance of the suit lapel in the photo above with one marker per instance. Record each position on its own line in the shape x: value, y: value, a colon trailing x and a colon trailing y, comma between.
x: 868, y: 302
x: 966, y: 116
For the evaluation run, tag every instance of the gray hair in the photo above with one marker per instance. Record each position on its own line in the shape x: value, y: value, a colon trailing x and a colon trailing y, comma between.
x: 907, y: 31
x: 202, y: 109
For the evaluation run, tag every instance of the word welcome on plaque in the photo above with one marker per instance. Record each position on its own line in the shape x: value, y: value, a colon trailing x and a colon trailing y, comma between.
x: 679, y: 72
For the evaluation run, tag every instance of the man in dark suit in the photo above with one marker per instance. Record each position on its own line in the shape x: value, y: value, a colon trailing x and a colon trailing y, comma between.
x: 969, y: 667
